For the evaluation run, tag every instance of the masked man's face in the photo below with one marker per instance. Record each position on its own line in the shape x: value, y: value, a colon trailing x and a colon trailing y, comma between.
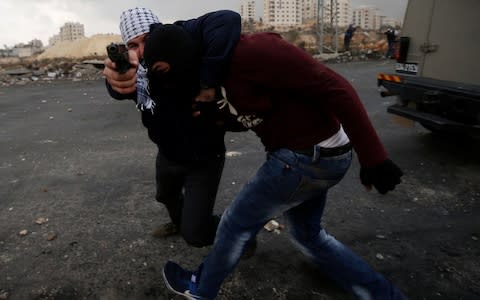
x: 179, y: 84
x: 172, y: 63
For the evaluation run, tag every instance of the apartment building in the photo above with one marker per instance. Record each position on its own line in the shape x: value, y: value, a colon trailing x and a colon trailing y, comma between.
x: 390, y: 22
x: 345, y: 13
x: 282, y: 12
x: 309, y: 10
x: 367, y: 17
x: 247, y: 10
x: 337, y: 12
x: 70, y: 31
x: 24, y: 50
x: 289, y: 12
x: 54, y: 39
x: 296, y: 12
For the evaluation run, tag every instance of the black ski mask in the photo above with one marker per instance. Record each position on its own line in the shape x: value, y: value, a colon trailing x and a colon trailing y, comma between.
x: 172, y: 44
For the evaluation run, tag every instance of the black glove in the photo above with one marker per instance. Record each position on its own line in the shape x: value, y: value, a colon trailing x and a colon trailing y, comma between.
x: 384, y: 176
x: 209, y: 113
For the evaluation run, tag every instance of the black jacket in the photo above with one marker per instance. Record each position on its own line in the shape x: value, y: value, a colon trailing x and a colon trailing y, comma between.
x: 179, y: 136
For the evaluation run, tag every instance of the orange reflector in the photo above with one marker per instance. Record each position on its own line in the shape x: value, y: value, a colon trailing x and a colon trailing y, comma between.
x: 387, y: 77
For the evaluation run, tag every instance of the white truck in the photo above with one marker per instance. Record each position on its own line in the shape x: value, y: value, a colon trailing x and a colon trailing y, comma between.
x: 437, y: 74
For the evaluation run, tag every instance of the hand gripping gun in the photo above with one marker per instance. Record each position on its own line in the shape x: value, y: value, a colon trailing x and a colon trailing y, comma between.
x: 118, y: 53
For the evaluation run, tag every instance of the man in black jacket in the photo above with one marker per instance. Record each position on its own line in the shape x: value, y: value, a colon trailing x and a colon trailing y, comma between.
x: 191, y: 153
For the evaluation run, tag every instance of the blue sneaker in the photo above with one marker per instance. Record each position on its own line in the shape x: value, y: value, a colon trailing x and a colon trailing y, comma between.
x: 180, y: 281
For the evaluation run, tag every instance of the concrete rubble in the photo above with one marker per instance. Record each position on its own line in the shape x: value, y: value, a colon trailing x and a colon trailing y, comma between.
x: 46, y: 71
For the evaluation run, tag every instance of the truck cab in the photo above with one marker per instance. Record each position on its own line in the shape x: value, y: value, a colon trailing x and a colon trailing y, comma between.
x: 437, y: 71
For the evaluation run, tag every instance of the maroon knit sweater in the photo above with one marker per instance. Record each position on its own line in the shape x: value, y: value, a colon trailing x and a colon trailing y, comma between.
x: 299, y: 100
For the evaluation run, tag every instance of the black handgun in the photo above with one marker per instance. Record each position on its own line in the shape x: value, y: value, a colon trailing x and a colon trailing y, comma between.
x: 118, y: 53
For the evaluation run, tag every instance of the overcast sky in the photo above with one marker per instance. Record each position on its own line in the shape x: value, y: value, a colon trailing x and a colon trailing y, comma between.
x: 24, y: 20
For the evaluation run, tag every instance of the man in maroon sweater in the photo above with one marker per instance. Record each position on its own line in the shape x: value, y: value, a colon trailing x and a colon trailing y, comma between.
x: 308, y: 117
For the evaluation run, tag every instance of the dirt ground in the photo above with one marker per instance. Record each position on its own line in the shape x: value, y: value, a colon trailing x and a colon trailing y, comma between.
x: 77, y: 206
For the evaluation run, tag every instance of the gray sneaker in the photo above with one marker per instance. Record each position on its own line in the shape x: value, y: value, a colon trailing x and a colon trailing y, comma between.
x: 165, y: 230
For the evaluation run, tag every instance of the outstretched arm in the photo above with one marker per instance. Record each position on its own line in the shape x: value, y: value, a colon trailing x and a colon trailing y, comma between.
x: 121, y: 86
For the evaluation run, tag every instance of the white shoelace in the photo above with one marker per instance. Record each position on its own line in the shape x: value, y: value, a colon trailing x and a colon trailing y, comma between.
x: 224, y: 102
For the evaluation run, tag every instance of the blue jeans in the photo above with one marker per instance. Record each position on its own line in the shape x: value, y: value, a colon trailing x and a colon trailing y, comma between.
x: 390, y: 50
x: 295, y: 185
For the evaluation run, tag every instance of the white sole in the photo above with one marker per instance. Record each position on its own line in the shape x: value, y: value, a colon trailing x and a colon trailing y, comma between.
x: 173, y: 290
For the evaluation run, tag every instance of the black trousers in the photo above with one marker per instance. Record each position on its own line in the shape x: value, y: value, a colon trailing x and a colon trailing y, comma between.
x: 188, y: 190
x: 346, y: 44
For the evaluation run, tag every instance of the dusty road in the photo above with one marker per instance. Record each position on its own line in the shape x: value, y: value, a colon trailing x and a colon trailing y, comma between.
x: 81, y: 165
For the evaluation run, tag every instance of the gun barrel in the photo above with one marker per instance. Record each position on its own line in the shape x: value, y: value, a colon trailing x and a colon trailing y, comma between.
x: 118, y: 53
x: 112, y: 48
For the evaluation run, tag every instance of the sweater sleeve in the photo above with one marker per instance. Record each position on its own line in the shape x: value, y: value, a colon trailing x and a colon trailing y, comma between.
x: 277, y: 64
x: 218, y: 34
x: 117, y: 95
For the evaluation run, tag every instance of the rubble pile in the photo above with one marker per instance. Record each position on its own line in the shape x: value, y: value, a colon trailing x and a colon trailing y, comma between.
x: 75, y: 60
x: 81, y: 48
x: 364, y: 45
x: 46, y: 71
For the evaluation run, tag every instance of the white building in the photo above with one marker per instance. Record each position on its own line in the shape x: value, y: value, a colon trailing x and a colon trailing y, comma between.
x: 291, y: 12
x: 68, y: 32
x: 309, y: 10
x: 345, y: 13
x: 390, y: 22
x: 247, y: 10
x: 26, y: 50
x: 72, y: 31
x: 282, y: 12
x: 367, y: 17
x: 338, y: 12
x: 54, y: 39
